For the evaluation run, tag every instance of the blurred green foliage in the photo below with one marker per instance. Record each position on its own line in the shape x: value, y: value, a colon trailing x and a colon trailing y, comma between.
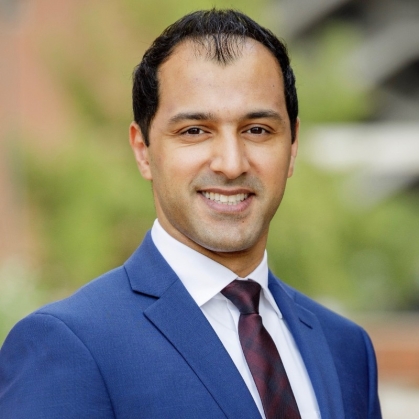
x: 363, y: 258
x: 90, y: 206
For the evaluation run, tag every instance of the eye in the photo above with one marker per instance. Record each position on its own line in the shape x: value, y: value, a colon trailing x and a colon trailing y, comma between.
x: 193, y: 131
x: 257, y: 130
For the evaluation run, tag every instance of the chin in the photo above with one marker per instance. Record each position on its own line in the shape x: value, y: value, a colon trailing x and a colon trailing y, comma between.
x: 225, y: 245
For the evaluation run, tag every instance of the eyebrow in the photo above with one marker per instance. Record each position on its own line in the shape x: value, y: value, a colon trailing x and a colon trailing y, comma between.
x: 194, y: 116
x: 208, y: 116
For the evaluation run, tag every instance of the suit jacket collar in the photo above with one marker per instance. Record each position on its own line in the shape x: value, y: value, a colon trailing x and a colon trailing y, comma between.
x: 176, y: 315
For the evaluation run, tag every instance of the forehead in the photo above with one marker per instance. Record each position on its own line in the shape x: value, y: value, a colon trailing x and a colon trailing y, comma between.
x: 222, y: 50
x: 194, y: 62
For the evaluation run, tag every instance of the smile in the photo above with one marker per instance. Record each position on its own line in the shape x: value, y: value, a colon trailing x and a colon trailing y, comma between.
x: 225, y: 199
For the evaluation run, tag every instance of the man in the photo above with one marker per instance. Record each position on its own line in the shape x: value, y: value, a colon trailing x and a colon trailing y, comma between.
x: 177, y: 332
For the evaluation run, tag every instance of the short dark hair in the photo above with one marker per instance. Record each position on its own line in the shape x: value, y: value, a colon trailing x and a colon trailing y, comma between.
x: 220, y: 31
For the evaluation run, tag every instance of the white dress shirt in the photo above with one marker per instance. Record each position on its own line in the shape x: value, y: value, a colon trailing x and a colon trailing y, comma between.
x: 204, y: 279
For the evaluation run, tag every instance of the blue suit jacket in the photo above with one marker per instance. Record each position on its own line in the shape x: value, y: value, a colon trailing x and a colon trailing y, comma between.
x: 134, y: 344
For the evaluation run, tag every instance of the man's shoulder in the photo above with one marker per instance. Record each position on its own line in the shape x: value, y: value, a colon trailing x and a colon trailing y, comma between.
x: 95, y: 292
x: 116, y: 297
x: 107, y: 290
x: 105, y: 306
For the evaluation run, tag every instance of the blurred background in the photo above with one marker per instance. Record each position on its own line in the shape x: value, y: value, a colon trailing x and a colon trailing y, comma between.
x: 73, y: 204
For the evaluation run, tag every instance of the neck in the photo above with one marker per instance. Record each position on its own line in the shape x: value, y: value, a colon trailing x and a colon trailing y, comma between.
x: 242, y: 262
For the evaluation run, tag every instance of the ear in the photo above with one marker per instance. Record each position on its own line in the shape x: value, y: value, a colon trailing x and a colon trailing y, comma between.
x: 140, y: 150
x: 294, y: 148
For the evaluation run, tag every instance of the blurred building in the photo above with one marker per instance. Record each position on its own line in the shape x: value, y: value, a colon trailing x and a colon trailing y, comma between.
x: 385, y: 149
x: 387, y: 62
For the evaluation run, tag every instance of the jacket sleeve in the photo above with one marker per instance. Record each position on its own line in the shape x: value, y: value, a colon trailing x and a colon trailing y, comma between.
x: 47, y: 372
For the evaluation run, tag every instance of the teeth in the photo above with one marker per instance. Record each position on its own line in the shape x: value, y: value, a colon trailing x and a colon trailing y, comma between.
x: 226, y: 199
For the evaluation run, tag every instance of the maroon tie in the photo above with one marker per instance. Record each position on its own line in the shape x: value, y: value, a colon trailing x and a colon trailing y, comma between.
x: 261, y: 354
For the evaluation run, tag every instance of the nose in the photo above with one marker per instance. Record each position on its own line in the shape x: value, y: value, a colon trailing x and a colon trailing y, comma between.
x: 229, y: 156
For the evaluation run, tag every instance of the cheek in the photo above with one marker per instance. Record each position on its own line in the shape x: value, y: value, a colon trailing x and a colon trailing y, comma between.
x: 173, y: 169
x: 272, y: 165
x: 188, y: 160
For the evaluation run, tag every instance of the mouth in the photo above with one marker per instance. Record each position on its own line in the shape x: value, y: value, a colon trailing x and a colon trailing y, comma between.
x: 234, y: 199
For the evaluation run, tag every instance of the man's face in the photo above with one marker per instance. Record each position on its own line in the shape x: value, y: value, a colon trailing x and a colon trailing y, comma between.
x: 220, y: 148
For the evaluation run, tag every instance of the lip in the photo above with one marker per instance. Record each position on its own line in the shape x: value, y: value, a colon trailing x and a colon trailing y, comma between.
x: 225, y: 208
x: 227, y: 192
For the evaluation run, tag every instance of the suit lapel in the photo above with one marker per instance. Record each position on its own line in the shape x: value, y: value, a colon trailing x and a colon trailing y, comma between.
x: 315, y: 352
x: 176, y: 315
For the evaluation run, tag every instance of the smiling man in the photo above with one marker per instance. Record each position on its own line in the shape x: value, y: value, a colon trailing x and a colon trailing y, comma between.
x: 219, y: 150
x: 194, y: 325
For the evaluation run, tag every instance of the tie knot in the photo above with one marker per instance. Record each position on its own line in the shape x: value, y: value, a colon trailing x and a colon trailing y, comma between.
x: 244, y: 295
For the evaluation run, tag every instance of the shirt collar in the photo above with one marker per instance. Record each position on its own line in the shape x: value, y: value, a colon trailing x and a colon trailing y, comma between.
x: 203, y: 277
